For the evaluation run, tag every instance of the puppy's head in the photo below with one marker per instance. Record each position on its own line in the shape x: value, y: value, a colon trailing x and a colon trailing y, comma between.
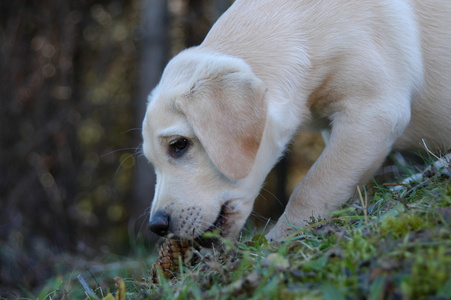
x: 202, y: 131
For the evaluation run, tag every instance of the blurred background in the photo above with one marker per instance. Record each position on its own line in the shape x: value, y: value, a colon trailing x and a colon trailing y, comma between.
x: 74, y: 81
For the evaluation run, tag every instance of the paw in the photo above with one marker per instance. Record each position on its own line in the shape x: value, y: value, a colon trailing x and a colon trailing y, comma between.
x: 281, y: 230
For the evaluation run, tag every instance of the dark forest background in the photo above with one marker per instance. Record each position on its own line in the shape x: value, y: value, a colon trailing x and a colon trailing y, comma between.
x: 74, y: 80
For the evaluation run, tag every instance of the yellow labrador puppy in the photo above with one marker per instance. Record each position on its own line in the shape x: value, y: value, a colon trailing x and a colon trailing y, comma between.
x: 372, y: 75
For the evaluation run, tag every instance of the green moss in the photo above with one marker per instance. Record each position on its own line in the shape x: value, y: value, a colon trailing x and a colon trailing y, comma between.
x: 358, y: 247
x: 402, y: 225
x: 429, y: 272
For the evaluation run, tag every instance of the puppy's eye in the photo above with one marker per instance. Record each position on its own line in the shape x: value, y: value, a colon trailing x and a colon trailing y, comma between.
x: 178, y: 147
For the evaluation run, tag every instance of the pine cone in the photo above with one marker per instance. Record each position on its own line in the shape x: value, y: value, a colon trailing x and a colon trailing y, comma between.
x: 168, y: 258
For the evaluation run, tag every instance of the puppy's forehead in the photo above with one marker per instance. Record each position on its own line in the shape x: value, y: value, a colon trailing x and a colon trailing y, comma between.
x: 163, y: 120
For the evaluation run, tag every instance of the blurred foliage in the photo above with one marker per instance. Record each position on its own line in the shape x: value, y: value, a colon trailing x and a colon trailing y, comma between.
x: 68, y: 81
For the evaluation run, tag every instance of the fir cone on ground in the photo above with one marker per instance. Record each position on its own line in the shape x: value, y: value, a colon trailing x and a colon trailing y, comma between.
x: 168, y: 258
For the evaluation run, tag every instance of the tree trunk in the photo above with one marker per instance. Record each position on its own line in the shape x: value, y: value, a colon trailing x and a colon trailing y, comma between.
x: 154, y: 52
x: 221, y: 6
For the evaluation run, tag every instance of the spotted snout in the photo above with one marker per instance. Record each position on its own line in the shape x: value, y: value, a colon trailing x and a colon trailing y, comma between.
x: 182, y: 223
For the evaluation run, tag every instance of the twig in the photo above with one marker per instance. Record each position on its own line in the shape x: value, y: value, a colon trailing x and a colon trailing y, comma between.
x: 395, y: 184
x: 87, y: 288
x: 429, y: 151
x: 364, y: 204
x: 402, y: 202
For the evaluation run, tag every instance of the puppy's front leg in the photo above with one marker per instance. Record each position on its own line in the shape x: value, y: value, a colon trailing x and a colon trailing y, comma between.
x: 362, y: 136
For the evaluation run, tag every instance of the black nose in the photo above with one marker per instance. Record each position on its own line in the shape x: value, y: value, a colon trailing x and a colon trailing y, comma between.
x: 159, y: 224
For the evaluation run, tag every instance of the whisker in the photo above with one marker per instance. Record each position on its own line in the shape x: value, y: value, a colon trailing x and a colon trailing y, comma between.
x: 259, y: 216
x: 118, y: 150
x: 146, y: 215
x: 122, y: 162
x: 140, y: 147
x: 274, y: 196
x: 132, y: 129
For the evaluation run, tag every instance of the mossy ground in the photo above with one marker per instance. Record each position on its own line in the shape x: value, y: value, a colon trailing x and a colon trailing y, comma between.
x: 397, y: 245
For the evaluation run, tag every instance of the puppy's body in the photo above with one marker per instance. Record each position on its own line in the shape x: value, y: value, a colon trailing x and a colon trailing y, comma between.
x: 373, y: 75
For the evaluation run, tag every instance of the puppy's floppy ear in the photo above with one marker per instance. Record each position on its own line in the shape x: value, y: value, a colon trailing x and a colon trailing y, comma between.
x: 228, y: 114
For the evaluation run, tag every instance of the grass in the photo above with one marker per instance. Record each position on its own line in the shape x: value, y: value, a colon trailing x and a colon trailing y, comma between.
x: 395, y: 245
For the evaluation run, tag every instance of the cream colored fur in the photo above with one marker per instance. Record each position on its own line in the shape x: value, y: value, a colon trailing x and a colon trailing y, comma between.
x: 373, y: 75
